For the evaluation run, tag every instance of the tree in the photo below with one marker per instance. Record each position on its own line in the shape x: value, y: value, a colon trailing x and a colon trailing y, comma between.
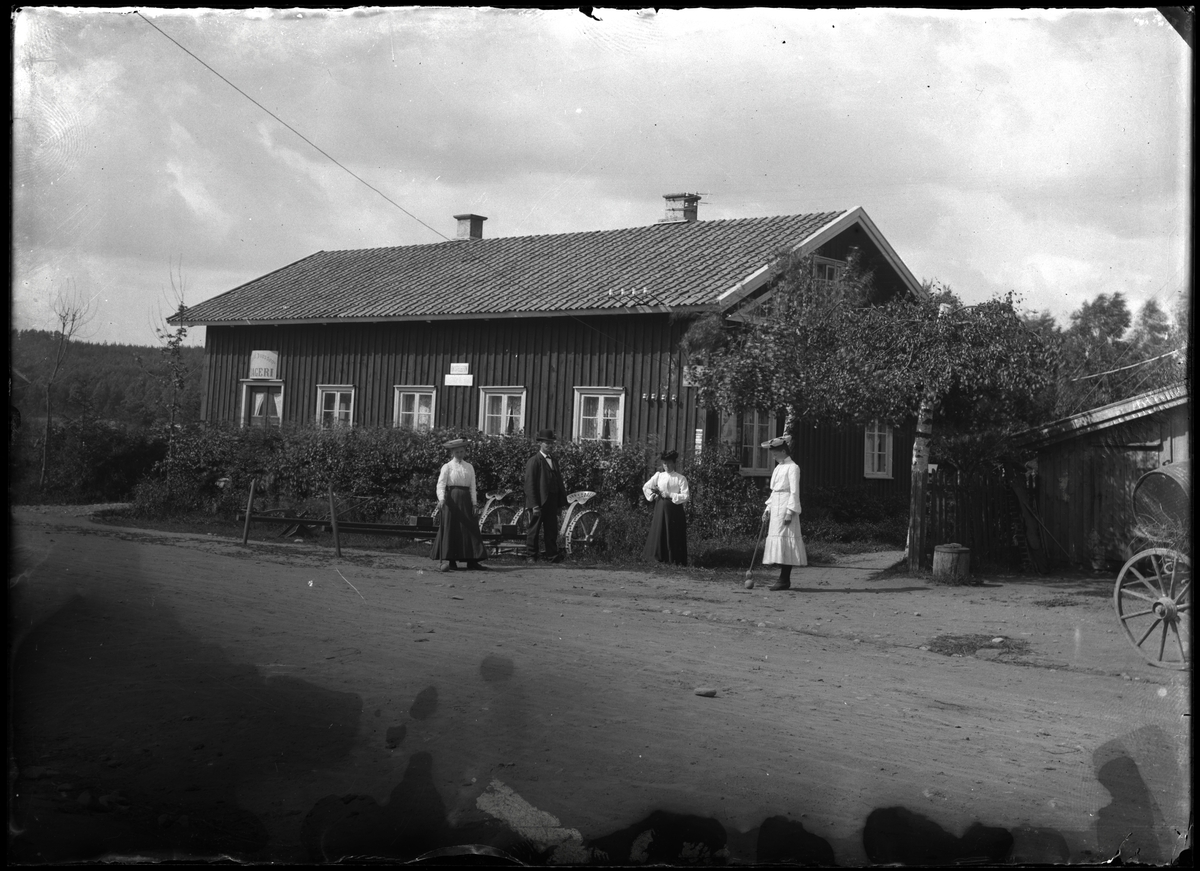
x: 175, y: 373
x: 1106, y: 355
x: 838, y: 352
x: 72, y: 312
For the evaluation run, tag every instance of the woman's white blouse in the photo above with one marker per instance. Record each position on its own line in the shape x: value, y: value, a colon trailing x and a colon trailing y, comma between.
x: 456, y: 473
x: 671, y: 485
x: 785, y: 487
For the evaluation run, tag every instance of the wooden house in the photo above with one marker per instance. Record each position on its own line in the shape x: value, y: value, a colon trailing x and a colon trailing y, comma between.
x: 576, y: 332
x: 1087, y: 466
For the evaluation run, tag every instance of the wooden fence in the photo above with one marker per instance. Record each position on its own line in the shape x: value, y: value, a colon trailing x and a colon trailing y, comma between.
x: 981, y: 512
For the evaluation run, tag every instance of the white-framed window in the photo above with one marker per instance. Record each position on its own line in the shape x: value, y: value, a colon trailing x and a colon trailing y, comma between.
x: 828, y: 272
x: 262, y: 403
x: 335, y: 405
x: 877, y: 451
x: 757, y: 427
x: 599, y: 414
x: 501, y: 410
x: 415, y: 405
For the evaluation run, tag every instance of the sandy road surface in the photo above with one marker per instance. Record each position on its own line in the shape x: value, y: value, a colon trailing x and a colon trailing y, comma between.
x: 183, y: 695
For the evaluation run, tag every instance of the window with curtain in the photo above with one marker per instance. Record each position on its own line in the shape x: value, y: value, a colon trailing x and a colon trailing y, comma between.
x: 262, y: 405
x: 503, y: 410
x: 599, y: 412
x: 414, y: 408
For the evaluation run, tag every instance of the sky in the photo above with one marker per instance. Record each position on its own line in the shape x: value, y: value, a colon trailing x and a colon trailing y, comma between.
x: 1043, y: 153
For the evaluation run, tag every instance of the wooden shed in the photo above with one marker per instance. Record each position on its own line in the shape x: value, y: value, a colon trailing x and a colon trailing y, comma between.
x: 1087, y: 466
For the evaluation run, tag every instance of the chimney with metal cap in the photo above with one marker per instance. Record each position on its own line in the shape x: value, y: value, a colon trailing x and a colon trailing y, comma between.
x: 470, y: 226
x: 681, y: 208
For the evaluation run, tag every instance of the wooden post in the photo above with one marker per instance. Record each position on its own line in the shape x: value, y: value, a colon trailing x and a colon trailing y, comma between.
x: 249, y: 509
x: 337, y: 544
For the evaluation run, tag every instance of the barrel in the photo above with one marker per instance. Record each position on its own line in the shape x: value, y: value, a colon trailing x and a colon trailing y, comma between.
x: 951, y: 563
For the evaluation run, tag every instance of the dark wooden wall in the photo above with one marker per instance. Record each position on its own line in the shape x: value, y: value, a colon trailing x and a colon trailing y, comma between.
x: 888, y: 283
x: 1086, y: 484
x: 548, y: 356
x: 832, y: 456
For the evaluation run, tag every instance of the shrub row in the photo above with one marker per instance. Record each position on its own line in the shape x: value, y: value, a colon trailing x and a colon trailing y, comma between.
x: 89, y: 461
x: 389, y: 472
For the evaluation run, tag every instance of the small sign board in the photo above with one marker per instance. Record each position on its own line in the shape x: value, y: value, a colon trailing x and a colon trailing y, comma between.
x: 264, y: 365
x: 460, y: 380
x: 460, y: 368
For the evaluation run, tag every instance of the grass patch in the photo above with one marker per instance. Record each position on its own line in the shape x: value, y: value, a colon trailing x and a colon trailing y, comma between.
x: 1057, y: 602
x: 966, y: 645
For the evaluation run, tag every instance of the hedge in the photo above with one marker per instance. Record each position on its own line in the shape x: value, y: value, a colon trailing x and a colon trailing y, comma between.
x: 393, y: 472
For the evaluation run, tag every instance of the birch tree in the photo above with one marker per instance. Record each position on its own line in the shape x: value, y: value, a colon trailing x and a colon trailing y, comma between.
x: 836, y: 352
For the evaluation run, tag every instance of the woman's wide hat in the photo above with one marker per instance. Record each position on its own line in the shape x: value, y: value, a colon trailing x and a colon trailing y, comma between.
x: 454, y: 443
x: 781, y: 443
x: 546, y: 435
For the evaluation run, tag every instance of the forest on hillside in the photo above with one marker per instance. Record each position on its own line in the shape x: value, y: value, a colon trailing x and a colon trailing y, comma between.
x: 131, y: 385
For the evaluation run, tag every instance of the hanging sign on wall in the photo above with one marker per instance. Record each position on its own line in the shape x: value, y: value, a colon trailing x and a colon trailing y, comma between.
x: 264, y: 365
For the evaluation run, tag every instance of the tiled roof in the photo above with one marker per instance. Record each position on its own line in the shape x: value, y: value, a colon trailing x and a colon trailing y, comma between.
x: 678, y: 265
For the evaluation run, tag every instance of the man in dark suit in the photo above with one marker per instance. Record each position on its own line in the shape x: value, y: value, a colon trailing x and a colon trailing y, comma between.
x: 545, y: 497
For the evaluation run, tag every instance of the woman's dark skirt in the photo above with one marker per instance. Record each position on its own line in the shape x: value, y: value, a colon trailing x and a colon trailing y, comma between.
x: 458, y: 532
x: 667, y: 541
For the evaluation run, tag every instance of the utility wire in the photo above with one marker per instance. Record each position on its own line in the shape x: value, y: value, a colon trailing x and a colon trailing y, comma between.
x: 1123, y: 368
x: 290, y: 127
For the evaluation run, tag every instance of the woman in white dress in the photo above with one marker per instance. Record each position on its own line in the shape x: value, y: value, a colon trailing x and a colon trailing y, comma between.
x: 458, y: 535
x: 784, y: 547
x: 668, y: 490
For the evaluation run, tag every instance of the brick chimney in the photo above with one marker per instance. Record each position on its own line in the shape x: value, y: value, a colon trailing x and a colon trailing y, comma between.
x: 681, y: 208
x: 470, y: 226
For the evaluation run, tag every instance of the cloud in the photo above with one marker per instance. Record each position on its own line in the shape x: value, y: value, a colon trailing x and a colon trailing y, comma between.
x: 994, y: 149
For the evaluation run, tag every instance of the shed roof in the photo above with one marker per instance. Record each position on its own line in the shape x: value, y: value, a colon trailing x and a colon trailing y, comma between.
x: 1106, y: 416
x: 664, y: 266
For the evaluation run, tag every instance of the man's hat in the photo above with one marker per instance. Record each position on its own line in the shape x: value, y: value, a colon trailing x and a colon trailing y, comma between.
x: 546, y: 435
x: 775, y: 444
x: 454, y: 443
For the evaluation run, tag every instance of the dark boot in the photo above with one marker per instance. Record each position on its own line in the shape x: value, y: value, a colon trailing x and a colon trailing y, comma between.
x: 785, y: 579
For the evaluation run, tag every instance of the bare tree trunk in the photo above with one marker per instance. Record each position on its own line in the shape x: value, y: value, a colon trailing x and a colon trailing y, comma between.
x: 918, y: 523
x: 46, y: 441
x: 72, y: 312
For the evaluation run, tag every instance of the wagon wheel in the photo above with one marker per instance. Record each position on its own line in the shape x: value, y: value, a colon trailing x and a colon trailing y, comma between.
x: 1153, y: 598
x: 584, y: 532
x: 497, y: 517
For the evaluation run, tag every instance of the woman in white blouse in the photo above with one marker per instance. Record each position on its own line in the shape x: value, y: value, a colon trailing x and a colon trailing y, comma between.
x: 458, y: 532
x: 784, y: 546
x: 668, y: 490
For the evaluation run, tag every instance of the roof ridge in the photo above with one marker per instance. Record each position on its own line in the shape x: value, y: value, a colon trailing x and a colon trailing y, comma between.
x: 656, y: 225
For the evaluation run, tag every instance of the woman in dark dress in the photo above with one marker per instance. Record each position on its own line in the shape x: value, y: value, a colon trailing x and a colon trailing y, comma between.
x: 668, y: 490
x: 458, y: 531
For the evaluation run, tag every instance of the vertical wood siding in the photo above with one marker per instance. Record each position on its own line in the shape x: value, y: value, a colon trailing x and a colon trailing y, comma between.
x: 549, y: 357
x: 831, y: 456
x: 1086, y: 484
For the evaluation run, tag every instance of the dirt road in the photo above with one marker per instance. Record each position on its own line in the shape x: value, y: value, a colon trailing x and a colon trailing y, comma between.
x: 180, y: 695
